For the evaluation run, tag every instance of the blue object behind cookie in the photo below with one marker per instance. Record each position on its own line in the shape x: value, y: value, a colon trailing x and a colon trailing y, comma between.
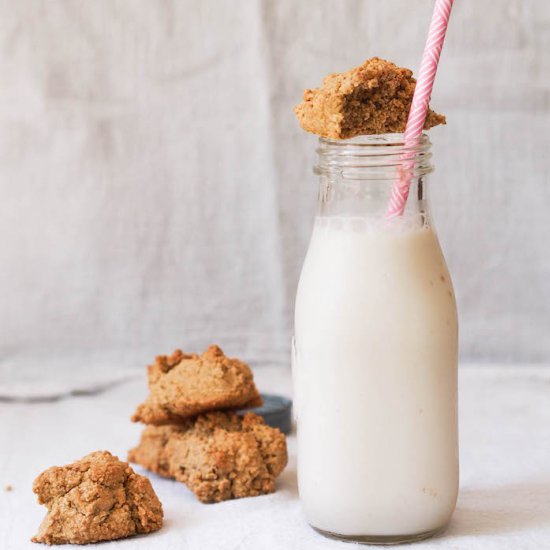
x: 276, y: 411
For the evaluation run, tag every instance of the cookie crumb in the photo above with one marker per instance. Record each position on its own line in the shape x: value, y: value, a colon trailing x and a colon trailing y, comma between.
x: 374, y: 98
x: 8, y: 488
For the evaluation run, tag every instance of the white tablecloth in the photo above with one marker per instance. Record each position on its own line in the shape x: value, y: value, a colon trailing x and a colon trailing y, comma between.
x: 505, y: 470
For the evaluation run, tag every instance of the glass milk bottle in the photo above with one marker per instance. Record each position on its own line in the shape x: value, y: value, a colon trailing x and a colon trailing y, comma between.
x: 375, y: 353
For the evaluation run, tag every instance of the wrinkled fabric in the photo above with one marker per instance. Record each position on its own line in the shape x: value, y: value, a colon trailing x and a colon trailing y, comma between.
x: 156, y: 190
x: 502, y: 504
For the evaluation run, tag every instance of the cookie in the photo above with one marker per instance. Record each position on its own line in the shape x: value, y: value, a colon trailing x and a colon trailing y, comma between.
x: 97, y: 498
x: 374, y: 98
x: 219, y: 456
x: 183, y: 385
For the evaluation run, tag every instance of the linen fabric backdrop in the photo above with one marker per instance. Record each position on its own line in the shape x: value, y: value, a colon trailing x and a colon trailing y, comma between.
x: 157, y: 191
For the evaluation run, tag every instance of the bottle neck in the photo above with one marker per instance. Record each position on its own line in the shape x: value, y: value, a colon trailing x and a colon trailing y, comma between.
x: 357, y: 176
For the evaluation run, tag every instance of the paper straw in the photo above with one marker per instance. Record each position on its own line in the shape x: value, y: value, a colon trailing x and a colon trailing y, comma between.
x: 419, y: 105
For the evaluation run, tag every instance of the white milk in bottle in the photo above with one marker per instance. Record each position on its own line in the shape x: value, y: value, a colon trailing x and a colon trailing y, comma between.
x: 375, y: 356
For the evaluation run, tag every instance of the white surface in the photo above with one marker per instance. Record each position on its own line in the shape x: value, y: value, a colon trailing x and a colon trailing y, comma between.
x: 504, y: 501
x: 376, y: 366
x: 157, y: 191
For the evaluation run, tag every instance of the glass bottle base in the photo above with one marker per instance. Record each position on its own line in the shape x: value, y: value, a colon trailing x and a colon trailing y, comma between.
x: 381, y: 540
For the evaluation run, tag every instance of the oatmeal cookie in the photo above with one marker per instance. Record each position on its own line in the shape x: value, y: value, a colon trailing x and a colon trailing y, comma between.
x: 183, y: 385
x: 95, y: 499
x: 374, y: 98
x: 218, y: 455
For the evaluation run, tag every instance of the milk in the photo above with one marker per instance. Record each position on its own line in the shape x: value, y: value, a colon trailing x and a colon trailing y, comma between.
x: 375, y: 376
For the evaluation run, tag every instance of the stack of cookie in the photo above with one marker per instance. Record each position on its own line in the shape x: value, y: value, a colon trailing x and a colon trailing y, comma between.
x: 194, y: 435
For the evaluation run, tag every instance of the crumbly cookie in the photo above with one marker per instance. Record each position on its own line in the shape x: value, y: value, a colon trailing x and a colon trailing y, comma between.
x: 95, y: 499
x: 183, y: 385
x: 374, y: 98
x: 219, y: 456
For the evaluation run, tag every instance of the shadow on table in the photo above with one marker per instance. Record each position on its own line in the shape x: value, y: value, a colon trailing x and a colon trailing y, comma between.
x: 495, y: 510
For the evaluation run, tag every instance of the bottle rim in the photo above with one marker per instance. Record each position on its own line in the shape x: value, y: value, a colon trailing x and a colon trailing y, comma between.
x: 374, y: 157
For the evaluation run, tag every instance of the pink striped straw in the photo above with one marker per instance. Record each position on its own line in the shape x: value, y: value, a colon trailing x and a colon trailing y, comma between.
x: 419, y: 105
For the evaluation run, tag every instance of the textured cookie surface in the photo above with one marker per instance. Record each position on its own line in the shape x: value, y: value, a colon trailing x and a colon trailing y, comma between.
x: 219, y: 456
x: 183, y: 385
x: 95, y: 499
x: 374, y: 98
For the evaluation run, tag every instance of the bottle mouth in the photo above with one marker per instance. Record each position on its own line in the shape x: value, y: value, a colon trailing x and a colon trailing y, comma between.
x: 374, y: 157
